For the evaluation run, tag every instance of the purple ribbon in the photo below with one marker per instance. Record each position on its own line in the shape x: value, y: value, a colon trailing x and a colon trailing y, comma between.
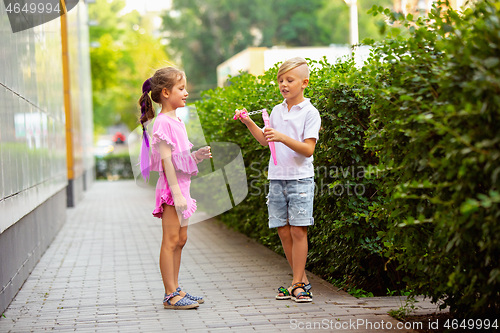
x: 144, y: 157
x: 146, y: 86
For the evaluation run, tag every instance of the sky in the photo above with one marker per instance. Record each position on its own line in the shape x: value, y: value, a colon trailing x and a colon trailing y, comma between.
x: 147, y: 5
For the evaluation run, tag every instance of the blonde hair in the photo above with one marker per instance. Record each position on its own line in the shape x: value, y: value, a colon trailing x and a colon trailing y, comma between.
x: 292, y: 64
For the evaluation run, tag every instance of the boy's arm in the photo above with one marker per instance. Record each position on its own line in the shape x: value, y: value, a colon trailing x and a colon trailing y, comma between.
x: 253, y: 128
x: 305, y: 148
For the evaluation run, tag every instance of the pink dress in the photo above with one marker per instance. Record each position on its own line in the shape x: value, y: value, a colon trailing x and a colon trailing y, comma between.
x: 173, y: 132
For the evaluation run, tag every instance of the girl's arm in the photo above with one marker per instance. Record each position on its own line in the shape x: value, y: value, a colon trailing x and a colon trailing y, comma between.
x: 169, y: 170
x: 254, y: 129
x: 305, y: 148
x: 202, y: 154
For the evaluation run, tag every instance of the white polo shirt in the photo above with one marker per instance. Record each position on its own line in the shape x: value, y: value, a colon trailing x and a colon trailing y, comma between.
x: 301, y: 122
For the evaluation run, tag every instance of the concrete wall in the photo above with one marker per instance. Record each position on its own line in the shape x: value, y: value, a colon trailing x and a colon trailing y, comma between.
x: 22, y: 245
x: 33, y: 156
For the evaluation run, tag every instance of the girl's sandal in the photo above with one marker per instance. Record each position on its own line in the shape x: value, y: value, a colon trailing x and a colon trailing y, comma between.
x: 301, y: 297
x: 198, y: 299
x: 283, y: 293
x: 182, y: 304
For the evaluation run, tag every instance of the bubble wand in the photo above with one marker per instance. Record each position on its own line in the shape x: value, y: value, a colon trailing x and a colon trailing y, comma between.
x: 265, y: 117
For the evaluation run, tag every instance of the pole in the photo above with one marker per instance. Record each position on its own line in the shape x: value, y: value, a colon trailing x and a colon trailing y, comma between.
x: 67, y: 92
x: 353, y: 29
x: 353, y: 23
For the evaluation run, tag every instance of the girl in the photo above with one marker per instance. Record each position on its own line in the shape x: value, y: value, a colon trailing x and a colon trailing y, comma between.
x: 172, y: 158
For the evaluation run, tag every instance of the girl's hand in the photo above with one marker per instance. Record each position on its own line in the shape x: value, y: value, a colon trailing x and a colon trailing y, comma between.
x: 272, y: 135
x: 244, y: 120
x: 203, y: 153
x: 180, y: 202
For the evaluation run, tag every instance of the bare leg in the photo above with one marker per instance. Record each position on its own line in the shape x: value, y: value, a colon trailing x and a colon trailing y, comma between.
x: 169, y: 245
x: 287, y: 242
x: 177, y: 256
x: 299, y: 253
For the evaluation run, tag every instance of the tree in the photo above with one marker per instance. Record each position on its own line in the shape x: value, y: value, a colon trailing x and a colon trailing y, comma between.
x: 126, y: 55
x: 204, y: 33
x: 334, y: 19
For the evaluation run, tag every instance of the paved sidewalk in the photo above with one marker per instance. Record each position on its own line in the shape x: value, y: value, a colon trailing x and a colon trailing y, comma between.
x: 101, y: 274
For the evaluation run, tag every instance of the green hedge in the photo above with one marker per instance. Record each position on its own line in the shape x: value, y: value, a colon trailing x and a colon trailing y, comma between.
x: 434, y: 126
x: 114, y: 166
x: 344, y: 244
x: 345, y: 247
x: 413, y: 135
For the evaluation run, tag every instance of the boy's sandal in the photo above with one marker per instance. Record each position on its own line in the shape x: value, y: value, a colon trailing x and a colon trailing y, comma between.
x: 198, y: 299
x: 182, y: 304
x: 308, y: 288
x: 283, y: 293
x: 301, y: 297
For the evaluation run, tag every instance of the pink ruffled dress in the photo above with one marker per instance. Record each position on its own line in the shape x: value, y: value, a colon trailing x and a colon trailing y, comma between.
x: 173, y: 132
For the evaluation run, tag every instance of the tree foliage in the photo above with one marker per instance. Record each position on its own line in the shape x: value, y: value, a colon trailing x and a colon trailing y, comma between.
x: 126, y: 54
x: 334, y: 20
x: 205, y: 33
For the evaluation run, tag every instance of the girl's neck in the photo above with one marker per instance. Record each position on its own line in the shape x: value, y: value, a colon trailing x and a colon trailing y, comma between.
x: 169, y: 112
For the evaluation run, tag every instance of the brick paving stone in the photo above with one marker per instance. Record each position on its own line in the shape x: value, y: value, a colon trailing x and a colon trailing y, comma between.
x: 101, y: 274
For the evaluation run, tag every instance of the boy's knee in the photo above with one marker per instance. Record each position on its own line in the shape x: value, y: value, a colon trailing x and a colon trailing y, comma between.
x: 298, y: 232
x: 284, y: 230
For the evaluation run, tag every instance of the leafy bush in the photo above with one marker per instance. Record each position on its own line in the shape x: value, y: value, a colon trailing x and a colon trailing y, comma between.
x: 216, y: 111
x: 345, y: 246
x: 419, y: 125
x: 344, y: 241
x: 116, y: 166
x: 434, y: 126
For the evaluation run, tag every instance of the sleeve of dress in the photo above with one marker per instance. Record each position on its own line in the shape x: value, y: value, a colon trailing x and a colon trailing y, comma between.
x: 163, y: 133
x: 182, y: 160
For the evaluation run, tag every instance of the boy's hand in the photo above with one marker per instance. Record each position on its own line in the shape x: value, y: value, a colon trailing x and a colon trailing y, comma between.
x: 245, y: 119
x: 273, y: 135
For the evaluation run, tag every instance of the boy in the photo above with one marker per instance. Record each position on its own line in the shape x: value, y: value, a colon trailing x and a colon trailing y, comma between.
x: 295, y: 125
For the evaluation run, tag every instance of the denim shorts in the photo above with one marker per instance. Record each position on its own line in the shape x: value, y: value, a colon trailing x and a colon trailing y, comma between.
x: 291, y: 202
